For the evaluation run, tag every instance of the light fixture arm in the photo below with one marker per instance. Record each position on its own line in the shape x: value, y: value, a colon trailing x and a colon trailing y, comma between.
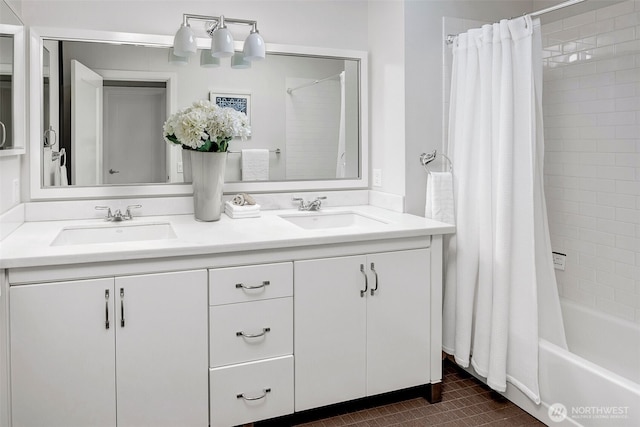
x: 218, y: 20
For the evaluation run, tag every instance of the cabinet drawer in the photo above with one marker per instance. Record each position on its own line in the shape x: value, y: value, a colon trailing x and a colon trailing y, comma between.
x: 250, y: 283
x: 251, y: 391
x: 250, y: 331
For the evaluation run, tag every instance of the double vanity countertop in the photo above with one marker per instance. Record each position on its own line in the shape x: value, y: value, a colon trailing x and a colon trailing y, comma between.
x: 32, y: 244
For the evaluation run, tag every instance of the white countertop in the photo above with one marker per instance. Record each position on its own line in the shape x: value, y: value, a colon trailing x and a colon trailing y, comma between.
x: 30, y: 244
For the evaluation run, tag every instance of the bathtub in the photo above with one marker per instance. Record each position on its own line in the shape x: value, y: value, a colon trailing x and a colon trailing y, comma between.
x: 596, y: 384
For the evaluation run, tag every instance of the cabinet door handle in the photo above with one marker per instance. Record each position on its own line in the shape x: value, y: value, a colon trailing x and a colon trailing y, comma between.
x: 373, y: 268
x: 249, y: 287
x: 366, y: 281
x: 262, y: 396
x: 122, y: 307
x: 258, y: 335
x: 106, y: 307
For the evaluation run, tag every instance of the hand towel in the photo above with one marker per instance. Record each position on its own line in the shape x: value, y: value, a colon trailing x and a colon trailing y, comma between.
x: 63, y: 176
x: 439, y: 205
x: 255, y: 165
x: 246, y: 211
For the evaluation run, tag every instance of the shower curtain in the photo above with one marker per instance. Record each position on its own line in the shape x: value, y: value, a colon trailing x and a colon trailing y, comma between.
x: 500, y: 262
x: 341, y: 161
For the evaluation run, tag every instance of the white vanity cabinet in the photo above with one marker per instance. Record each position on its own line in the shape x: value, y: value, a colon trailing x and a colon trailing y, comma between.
x: 362, y: 326
x: 125, y: 351
x: 251, y: 343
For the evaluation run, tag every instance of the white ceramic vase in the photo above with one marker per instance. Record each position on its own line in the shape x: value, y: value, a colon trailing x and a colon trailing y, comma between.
x: 207, y: 171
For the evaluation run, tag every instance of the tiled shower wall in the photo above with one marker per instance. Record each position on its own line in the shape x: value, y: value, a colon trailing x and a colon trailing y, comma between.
x: 591, y: 103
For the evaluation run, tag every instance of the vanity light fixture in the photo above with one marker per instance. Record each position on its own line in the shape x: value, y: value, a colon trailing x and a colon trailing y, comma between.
x: 177, y: 59
x: 185, y: 42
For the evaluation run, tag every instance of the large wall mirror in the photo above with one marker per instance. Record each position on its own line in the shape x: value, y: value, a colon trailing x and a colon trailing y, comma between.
x: 12, y: 83
x: 103, y: 98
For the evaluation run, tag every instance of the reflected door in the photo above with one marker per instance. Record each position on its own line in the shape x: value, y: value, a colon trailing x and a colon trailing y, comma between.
x: 134, y: 150
x: 86, y: 125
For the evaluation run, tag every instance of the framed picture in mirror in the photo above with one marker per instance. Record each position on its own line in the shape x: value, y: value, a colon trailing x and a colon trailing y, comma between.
x: 240, y: 101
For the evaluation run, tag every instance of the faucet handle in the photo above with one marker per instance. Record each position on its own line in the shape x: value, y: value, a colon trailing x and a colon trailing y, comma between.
x: 105, y: 208
x: 128, y: 213
x: 321, y: 198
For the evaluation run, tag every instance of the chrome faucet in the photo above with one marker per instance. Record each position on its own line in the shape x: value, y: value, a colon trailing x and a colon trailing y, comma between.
x: 313, y: 205
x: 118, y: 215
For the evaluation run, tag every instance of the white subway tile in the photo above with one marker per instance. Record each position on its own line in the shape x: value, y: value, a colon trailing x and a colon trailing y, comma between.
x: 596, y: 80
x: 578, y: 295
x: 616, y: 254
x: 580, y: 195
x: 579, y: 20
x: 564, y: 132
x: 562, y: 181
x: 554, y: 168
x: 630, y: 299
x: 597, y: 211
x: 627, y: 132
x: 564, y: 35
x: 597, y: 158
x: 602, y: 52
x: 629, y: 243
x: 615, y: 64
x: 598, y: 132
x: 567, y: 206
x: 563, y: 230
x: 615, y: 37
x: 551, y: 27
x: 578, y: 170
x: 627, y: 20
x: 629, y: 215
x: 615, y: 281
x: 617, y: 118
x: 616, y: 172
x: 628, y: 159
x: 601, y: 185
x: 618, y: 9
x: 628, y: 187
x: 598, y: 27
x: 617, y: 146
x: 628, y: 104
x: 628, y: 47
x: 625, y: 90
x: 596, y: 289
x: 584, y: 247
x: 616, y: 200
x: 615, y: 309
x: 627, y: 76
x: 598, y: 237
x: 581, y: 221
x: 615, y: 227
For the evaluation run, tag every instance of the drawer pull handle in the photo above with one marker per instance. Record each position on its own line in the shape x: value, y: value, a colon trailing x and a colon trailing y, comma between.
x: 363, y: 292
x: 258, y: 335
x: 249, y: 287
x: 106, y: 298
x: 262, y: 396
x: 373, y: 290
x: 122, y: 307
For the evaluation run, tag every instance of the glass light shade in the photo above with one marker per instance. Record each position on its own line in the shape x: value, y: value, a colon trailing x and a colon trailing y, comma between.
x: 222, y: 43
x: 208, y: 61
x: 254, y: 49
x: 238, y: 61
x: 184, y: 43
x: 177, y: 60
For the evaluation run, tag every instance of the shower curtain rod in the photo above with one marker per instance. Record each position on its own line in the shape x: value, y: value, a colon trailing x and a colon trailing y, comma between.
x: 451, y: 37
x: 315, y: 82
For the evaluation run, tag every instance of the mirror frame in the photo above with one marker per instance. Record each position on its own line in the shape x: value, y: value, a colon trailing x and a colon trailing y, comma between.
x: 18, y: 87
x: 38, y: 192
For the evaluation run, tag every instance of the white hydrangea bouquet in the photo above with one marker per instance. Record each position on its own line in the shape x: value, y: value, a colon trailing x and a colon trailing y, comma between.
x: 204, y: 126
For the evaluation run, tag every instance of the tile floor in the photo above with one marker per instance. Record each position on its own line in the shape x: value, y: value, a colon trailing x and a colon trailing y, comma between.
x: 465, y: 402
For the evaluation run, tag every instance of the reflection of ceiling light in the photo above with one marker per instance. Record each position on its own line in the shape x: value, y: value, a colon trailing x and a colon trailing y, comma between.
x: 239, y: 61
x: 222, y: 44
x: 208, y: 61
x: 177, y: 60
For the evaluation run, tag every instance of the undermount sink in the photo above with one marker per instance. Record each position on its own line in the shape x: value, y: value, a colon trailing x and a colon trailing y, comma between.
x: 322, y: 220
x: 112, y: 233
